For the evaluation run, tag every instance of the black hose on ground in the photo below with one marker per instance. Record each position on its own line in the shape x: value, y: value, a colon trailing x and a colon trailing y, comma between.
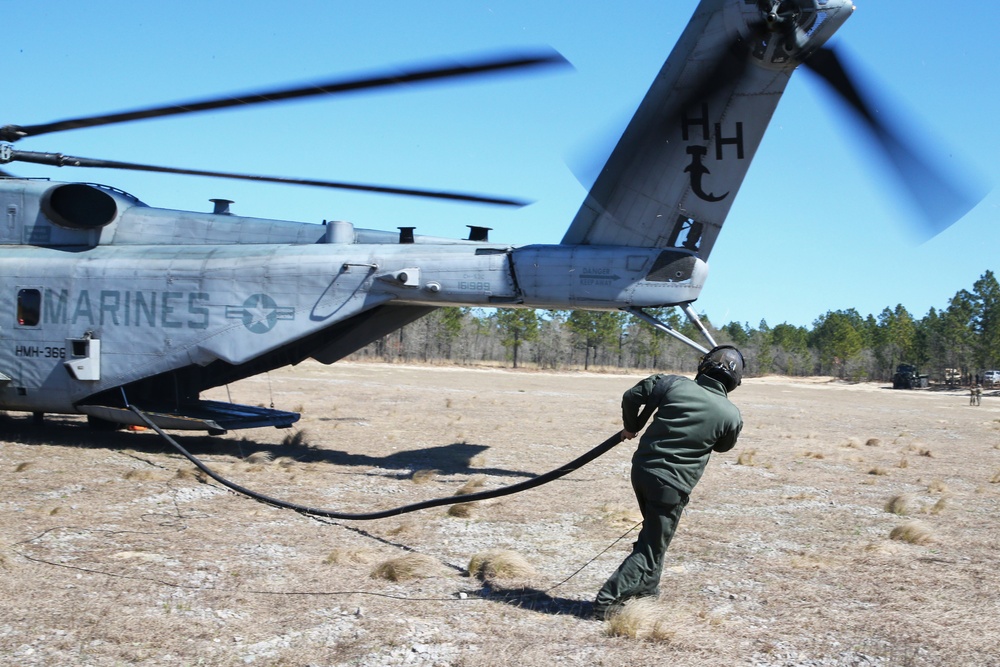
x: 369, y: 516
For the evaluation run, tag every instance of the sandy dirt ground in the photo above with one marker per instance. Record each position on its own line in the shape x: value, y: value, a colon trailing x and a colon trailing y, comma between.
x: 113, y: 553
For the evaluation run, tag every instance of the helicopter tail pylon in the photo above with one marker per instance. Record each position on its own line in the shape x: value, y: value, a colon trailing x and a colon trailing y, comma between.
x: 673, y: 176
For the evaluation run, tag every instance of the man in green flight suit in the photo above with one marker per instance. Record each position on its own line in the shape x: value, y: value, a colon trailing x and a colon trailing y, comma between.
x: 693, y: 419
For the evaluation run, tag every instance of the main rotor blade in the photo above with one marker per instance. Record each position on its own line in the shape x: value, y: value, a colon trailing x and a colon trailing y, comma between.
x: 369, y: 82
x: 940, y: 200
x: 60, y: 160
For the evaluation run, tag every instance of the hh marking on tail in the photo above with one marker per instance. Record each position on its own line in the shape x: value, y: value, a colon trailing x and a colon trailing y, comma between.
x: 698, y: 153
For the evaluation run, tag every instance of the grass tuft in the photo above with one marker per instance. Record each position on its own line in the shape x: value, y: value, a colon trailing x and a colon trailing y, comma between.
x: 462, y: 510
x: 941, y: 505
x: 140, y: 475
x: 873, y: 442
x: 620, y: 515
x: 424, y: 476
x: 995, y: 479
x: 746, y: 457
x: 297, y: 439
x: 913, y: 532
x: 899, y: 504
x: 187, y: 473
x: 27, y: 465
x: 641, y: 618
x: 502, y: 564
x: 285, y: 462
x: 878, y: 470
x: 258, y: 458
x: 937, y: 486
x: 405, y: 568
x: 472, y: 485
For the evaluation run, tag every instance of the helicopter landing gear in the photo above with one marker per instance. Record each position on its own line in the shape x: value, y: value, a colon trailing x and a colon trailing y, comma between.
x: 667, y: 329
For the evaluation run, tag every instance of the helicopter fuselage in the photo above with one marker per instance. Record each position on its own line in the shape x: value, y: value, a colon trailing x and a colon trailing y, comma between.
x: 87, y: 308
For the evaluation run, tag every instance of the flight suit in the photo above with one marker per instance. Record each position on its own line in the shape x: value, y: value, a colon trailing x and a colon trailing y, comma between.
x: 694, y: 419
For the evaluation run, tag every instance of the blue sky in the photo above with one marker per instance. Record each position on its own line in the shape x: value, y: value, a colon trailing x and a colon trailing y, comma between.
x: 817, y: 225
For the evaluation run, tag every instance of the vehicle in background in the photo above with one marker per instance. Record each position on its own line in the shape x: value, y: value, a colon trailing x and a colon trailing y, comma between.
x: 907, y: 377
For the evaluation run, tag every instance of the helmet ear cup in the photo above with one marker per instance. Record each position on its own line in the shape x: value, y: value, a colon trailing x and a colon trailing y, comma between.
x: 724, y: 363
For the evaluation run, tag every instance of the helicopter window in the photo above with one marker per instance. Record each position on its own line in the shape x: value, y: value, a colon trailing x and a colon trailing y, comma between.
x: 29, y: 307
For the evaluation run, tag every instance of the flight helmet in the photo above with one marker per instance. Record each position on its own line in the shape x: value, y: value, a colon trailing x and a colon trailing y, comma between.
x: 725, y: 364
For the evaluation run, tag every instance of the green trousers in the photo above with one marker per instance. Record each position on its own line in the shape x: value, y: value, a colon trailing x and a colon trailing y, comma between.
x: 639, y: 575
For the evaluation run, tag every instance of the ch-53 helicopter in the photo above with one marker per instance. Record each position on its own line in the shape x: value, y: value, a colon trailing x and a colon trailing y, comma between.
x: 107, y: 303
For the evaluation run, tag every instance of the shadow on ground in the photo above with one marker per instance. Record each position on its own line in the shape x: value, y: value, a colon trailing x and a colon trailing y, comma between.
x: 537, y: 600
x: 448, y: 459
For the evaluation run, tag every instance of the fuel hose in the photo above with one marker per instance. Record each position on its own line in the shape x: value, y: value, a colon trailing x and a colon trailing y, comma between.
x: 396, y: 511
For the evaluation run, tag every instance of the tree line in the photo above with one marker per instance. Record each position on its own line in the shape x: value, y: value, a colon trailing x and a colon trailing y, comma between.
x: 952, y: 344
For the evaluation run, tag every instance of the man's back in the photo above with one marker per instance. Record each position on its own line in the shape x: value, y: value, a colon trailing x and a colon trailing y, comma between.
x: 695, y: 417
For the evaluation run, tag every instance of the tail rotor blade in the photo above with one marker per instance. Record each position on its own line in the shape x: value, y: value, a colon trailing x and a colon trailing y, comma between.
x: 940, y: 200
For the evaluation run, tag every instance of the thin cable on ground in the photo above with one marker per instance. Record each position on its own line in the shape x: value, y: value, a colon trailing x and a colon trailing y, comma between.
x: 584, y: 566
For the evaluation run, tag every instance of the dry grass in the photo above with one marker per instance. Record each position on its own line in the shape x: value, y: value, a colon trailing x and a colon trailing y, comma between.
x: 22, y: 467
x: 191, y: 473
x: 462, y: 510
x: 995, y: 479
x: 141, y: 475
x: 878, y: 471
x: 620, y: 516
x: 809, y: 561
x: 473, y: 484
x: 873, y: 442
x: 899, y: 504
x: 259, y: 458
x: 350, y: 556
x: 404, y: 568
x: 746, y: 457
x: 937, y: 486
x: 919, y: 449
x: 913, y: 532
x: 941, y: 505
x: 500, y: 565
x: 642, y: 618
x: 424, y: 476
x: 296, y: 439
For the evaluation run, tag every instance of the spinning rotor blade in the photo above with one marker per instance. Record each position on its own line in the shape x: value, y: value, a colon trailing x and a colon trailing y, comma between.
x: 938, y: 196
x: 941, y: 201
x: 12, y: 133
x: 60, y: 160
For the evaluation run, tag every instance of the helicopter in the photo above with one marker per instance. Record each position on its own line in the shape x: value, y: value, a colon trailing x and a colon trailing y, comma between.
x: 108, y: 303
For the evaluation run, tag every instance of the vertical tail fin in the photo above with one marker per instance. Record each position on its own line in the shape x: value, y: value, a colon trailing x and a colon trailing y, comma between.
x: 672, y: 178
